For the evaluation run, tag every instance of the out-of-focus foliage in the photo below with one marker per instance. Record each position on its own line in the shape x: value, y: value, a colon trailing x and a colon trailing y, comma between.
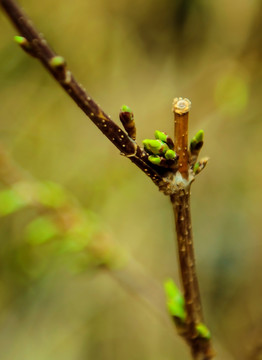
x: 142, y: 54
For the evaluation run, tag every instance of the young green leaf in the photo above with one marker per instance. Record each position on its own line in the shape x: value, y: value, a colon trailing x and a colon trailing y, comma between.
x: 175, y: 301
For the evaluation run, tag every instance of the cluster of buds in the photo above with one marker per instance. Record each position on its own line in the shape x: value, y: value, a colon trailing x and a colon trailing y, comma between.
x: 161, y: 150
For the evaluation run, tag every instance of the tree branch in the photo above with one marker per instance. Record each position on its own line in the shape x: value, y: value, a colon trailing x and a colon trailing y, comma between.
x: 172, y: 171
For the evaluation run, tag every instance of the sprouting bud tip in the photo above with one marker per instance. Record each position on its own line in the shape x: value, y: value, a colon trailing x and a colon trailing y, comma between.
x: 126, y: 108
x: 199, y: 136
x: 20, y: 40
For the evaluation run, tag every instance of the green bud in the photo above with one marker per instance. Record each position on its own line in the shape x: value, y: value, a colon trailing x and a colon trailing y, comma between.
x: 175, y: 301
x: 161, y: 161
x: 154, y: 159
x: 197, y: 142
x: 170, y: 154
x: 203, y: 331
x: 24, y: 44
x: 21, y: 40
x: 155, y: 146
x: 57, y: 61
x: 126, y: 117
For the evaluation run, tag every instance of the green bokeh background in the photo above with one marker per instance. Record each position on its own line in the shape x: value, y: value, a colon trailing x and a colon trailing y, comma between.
x: 143, y: 54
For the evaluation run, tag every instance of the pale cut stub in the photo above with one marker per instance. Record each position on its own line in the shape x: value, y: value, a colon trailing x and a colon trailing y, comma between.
x: 181, y: 106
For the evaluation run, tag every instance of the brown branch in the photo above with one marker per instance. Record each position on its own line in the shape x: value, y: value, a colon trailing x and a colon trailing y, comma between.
x: 181, y: 205
x: 200, y: 348
x: 57, y: 67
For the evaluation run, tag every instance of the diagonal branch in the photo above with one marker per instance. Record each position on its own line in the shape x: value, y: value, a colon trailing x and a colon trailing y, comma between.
x: 37, y: 46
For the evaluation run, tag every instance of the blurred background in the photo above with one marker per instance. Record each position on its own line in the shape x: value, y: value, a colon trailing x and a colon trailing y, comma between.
x: 69, y: 204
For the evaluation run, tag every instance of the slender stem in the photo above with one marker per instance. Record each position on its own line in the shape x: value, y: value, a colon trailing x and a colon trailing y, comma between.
x: 181, y: 207
x: 200, y: 348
